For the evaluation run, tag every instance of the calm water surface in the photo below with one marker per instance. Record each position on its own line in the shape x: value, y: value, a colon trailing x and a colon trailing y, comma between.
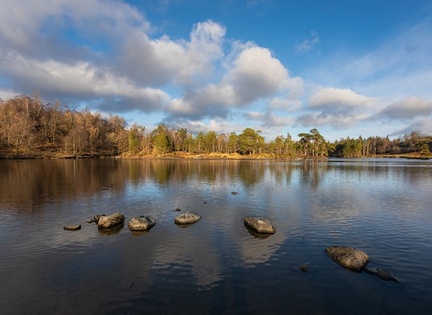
x: 382, y: 207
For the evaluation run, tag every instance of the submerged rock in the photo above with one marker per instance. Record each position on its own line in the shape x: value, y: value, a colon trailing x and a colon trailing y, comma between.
x: 381, y: 273
x: 72, y: 227
x: 260, y: 225
x: 304, y: 267
x: 109, y: 221
x: 348, y: 257
x: 141, y: 223
x: 187, y: 218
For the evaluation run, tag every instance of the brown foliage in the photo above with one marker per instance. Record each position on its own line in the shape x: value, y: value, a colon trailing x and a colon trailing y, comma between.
x: 29, y: 128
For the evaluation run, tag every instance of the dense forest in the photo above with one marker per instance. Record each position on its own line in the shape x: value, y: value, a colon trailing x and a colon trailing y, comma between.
x: 31, y: 129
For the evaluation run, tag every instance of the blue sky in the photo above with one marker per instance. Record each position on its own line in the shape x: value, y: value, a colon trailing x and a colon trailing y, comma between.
x: 345, y: 67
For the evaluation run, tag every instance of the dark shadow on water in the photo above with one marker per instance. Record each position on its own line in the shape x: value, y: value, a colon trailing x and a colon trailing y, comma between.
x: 185, y: 225
x: 112, y: 231
x: 256, y: 234
x: 139, y: 233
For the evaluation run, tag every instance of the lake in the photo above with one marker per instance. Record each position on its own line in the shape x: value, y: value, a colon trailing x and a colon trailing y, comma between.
x: 216, y: 266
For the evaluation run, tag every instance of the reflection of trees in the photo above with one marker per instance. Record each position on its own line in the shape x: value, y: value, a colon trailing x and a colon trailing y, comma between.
x: 30, y: 183
x: 313, y: 172
x: 281, y: 171
x: 251, y: 172
x: 162, y: 170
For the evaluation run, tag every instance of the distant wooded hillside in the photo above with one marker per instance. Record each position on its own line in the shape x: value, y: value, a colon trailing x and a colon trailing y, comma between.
x: 31, y: 129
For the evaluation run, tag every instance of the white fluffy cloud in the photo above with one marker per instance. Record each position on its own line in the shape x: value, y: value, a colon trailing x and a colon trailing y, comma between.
x: 55, y: 78
x: 254, y: 74
x: 34, y: 30
x: 422, y: 125
x: 333, y: 120
x: 53, y: 47
x: 407, y: 108
x: 105, y: 53
x: 339, y: 100
x: 270, y: 120
x: 336, y: 108
x: 161, y: 61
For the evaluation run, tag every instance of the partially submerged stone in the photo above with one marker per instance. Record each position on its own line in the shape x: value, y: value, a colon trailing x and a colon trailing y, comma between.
x: 141, y: 223
x: 259, y: 225
x: 109, y: 221
x: 72, y: 227
x: 348, y: 257
x: 381, y: 273
x: 187, y: 218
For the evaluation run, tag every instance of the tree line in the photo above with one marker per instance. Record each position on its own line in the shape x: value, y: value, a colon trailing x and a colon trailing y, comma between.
x: 30, y: 128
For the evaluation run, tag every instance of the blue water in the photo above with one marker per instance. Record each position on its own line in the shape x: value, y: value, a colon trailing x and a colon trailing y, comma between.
x: 380, y: 206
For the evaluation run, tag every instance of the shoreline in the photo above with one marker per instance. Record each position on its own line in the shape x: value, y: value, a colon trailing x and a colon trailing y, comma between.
x: 211, y: 156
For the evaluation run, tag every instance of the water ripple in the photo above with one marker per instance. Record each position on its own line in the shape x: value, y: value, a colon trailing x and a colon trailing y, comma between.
x: 380, y: 207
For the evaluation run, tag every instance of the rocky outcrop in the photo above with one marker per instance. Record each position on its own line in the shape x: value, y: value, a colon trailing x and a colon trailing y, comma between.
x: 110, y: 221
x: 187, y: 218
x: 141, y: 223
x: 348, y: 257
x: 72, y: 227
x: 259, y: 225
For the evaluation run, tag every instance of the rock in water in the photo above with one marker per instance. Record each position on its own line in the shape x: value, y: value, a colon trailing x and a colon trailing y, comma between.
x: 109, y: 221
x: 381, y: 273
x: 95, y: 219
x: 141, y: 224
x: 187, y: 218
x: 72, y: 227
x: 304, y: 267
x: 259, y: 225
x: 348, y: 257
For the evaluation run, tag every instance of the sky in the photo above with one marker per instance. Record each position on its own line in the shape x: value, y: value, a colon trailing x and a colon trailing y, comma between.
x: 349, y: 68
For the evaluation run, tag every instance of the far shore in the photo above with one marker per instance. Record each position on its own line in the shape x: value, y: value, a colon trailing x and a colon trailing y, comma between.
x: 213, y: 156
